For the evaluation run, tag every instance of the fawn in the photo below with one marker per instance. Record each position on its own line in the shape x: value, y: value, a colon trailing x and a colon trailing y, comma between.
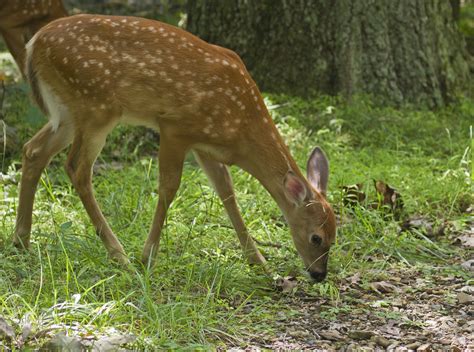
x: 89, y: 72
x: 21, y: 19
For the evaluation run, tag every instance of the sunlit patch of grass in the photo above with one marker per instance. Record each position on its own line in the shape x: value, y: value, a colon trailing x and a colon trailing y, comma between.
x: 202, y: 293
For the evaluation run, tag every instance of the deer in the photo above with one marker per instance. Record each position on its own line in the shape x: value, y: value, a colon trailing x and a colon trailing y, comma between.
x: 21, y: 19
x: 89, y: 73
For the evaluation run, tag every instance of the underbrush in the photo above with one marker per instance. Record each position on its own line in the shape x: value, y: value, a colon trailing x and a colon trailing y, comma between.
x: 202, y: 293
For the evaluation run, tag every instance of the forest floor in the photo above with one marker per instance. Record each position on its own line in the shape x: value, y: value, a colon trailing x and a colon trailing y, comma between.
x: 411, y: 309
x: 400, y: 273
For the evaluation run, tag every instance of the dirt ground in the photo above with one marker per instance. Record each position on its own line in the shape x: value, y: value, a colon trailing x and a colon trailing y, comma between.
x: 413, y: 310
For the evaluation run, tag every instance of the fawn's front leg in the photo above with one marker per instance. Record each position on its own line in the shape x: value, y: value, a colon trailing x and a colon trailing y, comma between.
x: 221, y: 179
x: 171, y: 158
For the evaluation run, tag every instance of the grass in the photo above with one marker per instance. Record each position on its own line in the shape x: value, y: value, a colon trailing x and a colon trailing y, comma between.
x: 202, y: 293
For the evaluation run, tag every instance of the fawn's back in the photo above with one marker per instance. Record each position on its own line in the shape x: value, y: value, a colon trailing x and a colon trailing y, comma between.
x: 142, y: 71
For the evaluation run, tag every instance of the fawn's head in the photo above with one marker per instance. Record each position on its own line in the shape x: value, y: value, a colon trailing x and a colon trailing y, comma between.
x: 312, y: 222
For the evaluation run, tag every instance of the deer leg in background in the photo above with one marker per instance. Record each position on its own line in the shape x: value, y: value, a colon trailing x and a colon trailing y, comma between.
x: 37, y: 154
x: 221, y: 179
x: 86, y: 146
x: 171, y: 159
x: 15, y: 42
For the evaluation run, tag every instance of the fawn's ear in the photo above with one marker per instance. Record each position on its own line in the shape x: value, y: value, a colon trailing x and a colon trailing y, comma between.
x: 318, y: 170
x: 295, y: 189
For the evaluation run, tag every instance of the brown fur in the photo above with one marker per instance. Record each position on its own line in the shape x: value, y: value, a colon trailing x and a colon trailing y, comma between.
x: 102, y: 70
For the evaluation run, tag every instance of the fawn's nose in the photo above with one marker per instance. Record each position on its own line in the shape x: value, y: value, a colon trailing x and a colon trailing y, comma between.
x: 316, y: 276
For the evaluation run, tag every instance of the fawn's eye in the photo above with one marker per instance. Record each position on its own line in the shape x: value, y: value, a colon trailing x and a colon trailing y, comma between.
x: 316, y: 240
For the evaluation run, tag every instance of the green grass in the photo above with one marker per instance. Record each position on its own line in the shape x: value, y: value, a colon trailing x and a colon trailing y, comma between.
x: 202, y: 293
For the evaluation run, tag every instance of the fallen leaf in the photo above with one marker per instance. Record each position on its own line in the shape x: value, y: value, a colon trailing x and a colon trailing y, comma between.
x: 383, y: 287
x: 352, y: 194
x: 287, y: 284
x: 468, y: 265
x: 389, y: 197
x: 112, y: 343
x: 26, y: 331
x: 381, y: 341
x: 419, y: 223
x: 6, y: 330
x: 62, y: 342
x: 466, y: 240
x: 424, y: 347
x: 467, y: 289
x: 355, y: 279
x: 413, y: 345
x: 464, y: 298
x: 332, y: 335
x: 360, y: 334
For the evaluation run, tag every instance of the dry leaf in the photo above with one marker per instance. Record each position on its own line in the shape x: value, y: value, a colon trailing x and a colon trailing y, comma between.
x: 418, y: 223
x: 468, y: 265
x: 112, y: 343
x: 287, y: 283
x: 383, y: 287
x: 353, y: 194
x: 464, y: 298
x: 61, y: 342
x: 466, y: 240
x: 381, y: 341
x: 6, y: 330
x: 389, y: 196
x: 360, y: 334
x: 424, y: 347
x: 355, y: 279
x: 332, y: 335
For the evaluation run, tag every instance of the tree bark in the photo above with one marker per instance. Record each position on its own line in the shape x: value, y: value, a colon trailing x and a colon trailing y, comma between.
x: 402, y: 51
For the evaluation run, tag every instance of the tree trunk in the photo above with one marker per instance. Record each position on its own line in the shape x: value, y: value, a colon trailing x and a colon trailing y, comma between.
x: 403, y: 51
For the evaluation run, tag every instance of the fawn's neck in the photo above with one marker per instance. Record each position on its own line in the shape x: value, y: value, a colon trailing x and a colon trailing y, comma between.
x: 270, y: 165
